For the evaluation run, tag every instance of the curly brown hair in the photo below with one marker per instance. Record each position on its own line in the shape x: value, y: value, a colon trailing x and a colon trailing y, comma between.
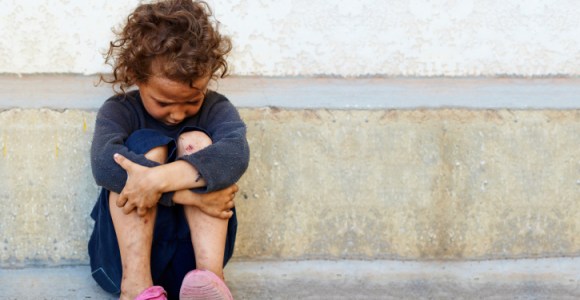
x: 175, y: 39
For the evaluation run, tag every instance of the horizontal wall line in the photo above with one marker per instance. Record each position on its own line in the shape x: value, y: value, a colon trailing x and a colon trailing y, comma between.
x: 79, y: 92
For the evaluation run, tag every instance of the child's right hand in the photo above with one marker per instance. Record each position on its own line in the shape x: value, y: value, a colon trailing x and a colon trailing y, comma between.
x: 217, y: 204
x: 140, y: 192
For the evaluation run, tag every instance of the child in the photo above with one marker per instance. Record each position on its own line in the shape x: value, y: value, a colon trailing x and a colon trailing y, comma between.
x: 165, y: 226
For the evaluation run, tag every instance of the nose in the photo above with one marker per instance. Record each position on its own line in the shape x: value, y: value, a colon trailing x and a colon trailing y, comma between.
x: 177, y: 116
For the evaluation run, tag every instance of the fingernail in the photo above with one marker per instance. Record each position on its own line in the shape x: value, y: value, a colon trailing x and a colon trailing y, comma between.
x: 116, y: 155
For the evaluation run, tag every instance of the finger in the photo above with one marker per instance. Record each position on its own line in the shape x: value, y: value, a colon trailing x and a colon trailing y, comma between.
x: 128, y: 208
x: 121, y: 200
x: 141, y: 211
x: 226, y: 215
x: 214, y: 213
x: 122, y: 161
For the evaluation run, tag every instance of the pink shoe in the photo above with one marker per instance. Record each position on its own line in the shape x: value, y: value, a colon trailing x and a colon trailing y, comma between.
x: 204, y: 285
x: 153, y: 293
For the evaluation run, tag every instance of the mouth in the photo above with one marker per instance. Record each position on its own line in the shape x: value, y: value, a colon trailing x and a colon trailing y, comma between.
x: 171, y: 123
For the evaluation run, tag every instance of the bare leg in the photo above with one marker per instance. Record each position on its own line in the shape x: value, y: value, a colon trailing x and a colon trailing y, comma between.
x: 208, y: 234
x: 135, y: 237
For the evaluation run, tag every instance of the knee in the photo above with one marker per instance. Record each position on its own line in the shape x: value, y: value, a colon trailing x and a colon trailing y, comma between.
x: 151, y: 143
x: 191, y: 142
x: 157, y: 154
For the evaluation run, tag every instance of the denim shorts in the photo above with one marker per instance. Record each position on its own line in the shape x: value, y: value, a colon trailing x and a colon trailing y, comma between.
x: 172, y: 254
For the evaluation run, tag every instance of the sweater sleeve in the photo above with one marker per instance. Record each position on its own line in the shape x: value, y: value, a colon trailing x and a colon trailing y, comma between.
x: 113, y: 125
x: 225, y: 161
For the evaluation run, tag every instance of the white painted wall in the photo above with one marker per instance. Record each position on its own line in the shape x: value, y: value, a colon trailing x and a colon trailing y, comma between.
x: 325, y: 37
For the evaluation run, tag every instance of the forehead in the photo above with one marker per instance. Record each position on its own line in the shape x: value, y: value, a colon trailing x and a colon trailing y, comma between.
x: 167, y: 89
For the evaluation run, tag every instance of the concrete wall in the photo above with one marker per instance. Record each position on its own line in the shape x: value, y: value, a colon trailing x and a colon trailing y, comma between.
x: 419, y: 184
x: 379, y: 183
x: 344, y: 38
x: 461, y: 169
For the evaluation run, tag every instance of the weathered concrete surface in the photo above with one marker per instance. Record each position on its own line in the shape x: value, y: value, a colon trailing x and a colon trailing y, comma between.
x: 46, y: 190
x: 339, y: 38
x: 506, y: 279
x: 331, y: 184
x: 421, y: 184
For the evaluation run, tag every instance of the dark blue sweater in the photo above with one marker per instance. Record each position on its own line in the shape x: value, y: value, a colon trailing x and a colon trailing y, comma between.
x: 221, y: 164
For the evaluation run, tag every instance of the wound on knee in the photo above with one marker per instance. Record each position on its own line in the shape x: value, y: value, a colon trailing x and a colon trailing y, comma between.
x: 191, y: 142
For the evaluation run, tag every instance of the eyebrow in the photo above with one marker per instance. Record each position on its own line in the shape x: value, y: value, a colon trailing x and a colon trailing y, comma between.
x: 203, y: 90
x: 169, y: 101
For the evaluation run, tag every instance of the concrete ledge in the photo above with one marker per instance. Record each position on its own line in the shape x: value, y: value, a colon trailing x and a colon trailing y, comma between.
x: 79, y: 92
x: 330, y: 184
x: 500, y: 279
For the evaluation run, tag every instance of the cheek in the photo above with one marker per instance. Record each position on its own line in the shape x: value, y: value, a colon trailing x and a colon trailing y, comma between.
x: 158, y: 112
x: 193, y: 111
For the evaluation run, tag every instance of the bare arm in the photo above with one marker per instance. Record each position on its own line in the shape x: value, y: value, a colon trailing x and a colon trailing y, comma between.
x: 217, y: 204
x: 142, y: 190
x: 145, y: 185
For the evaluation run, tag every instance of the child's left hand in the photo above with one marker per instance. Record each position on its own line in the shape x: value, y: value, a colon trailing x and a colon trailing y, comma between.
x: 141, y: 191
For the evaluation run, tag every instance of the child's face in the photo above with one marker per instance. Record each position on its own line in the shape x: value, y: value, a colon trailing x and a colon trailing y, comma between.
x: 171, y: 102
